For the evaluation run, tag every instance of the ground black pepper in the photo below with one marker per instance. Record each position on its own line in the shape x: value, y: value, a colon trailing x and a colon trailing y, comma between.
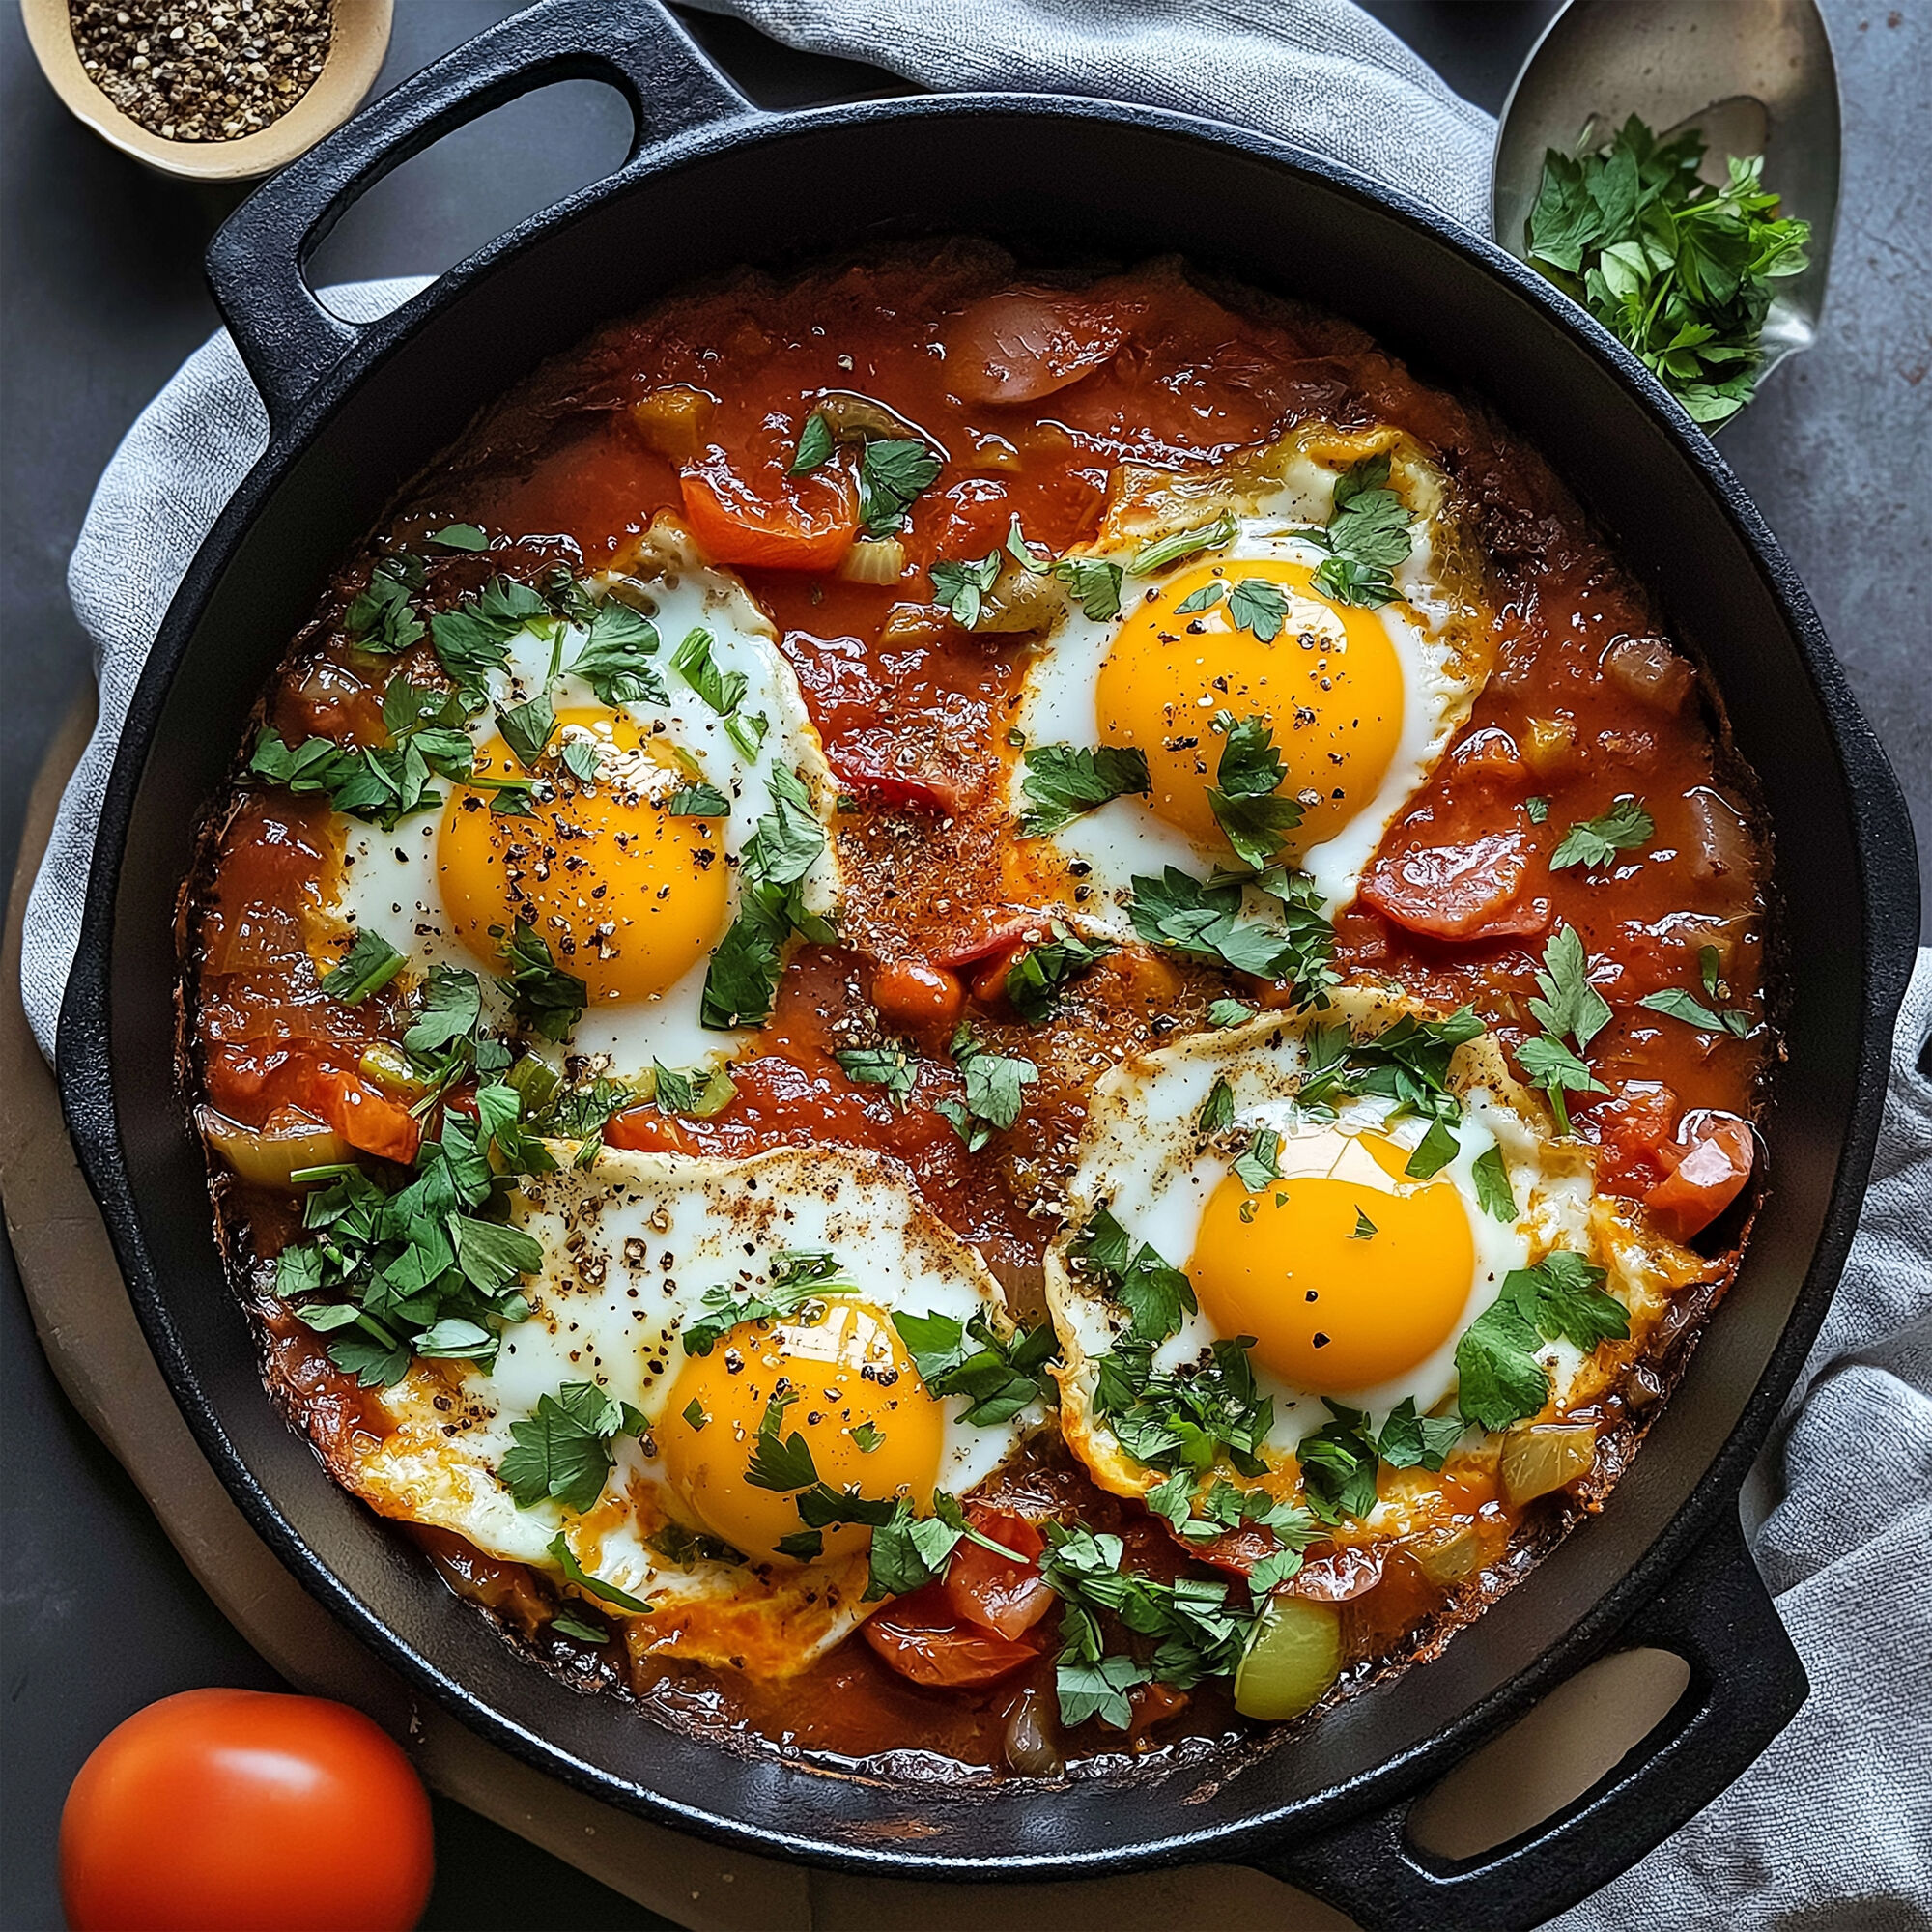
x: 203, y: 70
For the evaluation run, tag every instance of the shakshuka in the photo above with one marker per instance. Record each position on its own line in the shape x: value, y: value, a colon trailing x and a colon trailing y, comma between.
x: 980, y: 1019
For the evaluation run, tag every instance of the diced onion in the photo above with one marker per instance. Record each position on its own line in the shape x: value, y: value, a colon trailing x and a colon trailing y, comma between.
x: 389, y: 1067
x: 1449, y: 1555
x: 1292, y: 1657
x: 1020, y: 599
x: 1536, y: 1461
x: 1032, y: 1740
x: 269, y: 1155
x: 1550, y: 747
x: 874, y: 560
x: 1649, y: 670
x: 672, y: 420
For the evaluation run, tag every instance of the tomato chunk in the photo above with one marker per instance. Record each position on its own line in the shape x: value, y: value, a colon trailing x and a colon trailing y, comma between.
x: 991, y: 1590
x: 910, y: 992
x: 861, y: 770
x: 734, y: 525
x: 364, y: 1116
x: 1632, y: 1130
x: 1458, y: 891
x: 1710, y: 1161
x: 1018, y: 347
x: 924, y: 1641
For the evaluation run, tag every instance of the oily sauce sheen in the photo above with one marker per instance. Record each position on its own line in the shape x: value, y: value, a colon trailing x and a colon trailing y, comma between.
x: 1586, y: 703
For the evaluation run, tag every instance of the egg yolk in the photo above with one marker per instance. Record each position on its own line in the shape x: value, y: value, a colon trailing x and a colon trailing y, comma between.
x: 1344, y: 1273
x: 627, y: 896
x: 859, y: 1407
x: 1330, y: 685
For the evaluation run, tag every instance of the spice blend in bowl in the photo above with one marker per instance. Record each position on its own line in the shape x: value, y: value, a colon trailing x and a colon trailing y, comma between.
x: 211, y: 89
x: 203, y: 70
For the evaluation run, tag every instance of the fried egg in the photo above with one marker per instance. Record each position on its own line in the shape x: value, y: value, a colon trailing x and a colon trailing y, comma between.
x: 1354, y: 1280
x: 1361, y: 703
x: 639, y: 1250
x: 629, y: 892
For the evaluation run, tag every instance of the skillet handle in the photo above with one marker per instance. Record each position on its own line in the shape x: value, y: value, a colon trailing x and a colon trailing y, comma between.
x: 257, y: 262
x: 1746, y: 1685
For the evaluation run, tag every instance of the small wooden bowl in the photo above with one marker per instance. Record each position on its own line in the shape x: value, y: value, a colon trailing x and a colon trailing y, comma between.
x: 357, y: 46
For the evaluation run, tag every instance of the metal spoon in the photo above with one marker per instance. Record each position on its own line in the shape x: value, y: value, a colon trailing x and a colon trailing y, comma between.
x: 1756, y: 76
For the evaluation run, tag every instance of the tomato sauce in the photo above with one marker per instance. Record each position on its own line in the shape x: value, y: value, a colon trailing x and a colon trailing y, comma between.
x: 695, y: 410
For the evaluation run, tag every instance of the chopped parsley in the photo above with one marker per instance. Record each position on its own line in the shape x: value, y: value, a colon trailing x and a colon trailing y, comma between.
x: 1562, y: 1298
x: 544, y: 996
x: 1246, y: 800
x: 999, y: 1374
x: 889, y: 1065
x: 1596, y: 841
x: 1438, y: 1148
x: 563, y: 1450
x: 1493, y: 1194
x: 381, y: 618
x: 1209, y: 922
x: 1230, y: 1013
x: 460, y: 536
x: 1677, y: 1004
x: 962, y: 587
x: 910, y: 1550
x: 575, y: 1573
x: 1257, y: 605
x: 697, y: 799
x: 1260, y: 1166
x: 722, y: 690
x: 1366, y: 537
x: 1189, y: 1417
x: 1164, y: 551
x: 1155, y: 1294
x: 1217, y: 1111
x: 1570, y: 1013
x: 1680, y: 271
x: 526, y: 730
x: 1034, y: 981
x: 615, y: 661
x: 473, y: 640
x: 894, y: 473
x: 798, y: 1277
x: 1063, y: 780
x: 996, y: 1085
x: 367, y: 967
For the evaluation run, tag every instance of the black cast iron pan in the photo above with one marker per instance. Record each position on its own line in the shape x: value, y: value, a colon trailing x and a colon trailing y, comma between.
x: 714, y: 183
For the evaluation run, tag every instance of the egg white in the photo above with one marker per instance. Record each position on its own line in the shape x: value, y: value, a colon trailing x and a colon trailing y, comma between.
x: 630, y: 1248
x: 1432, y: 627
x: 390, y: 880
x: 1142, y: 1155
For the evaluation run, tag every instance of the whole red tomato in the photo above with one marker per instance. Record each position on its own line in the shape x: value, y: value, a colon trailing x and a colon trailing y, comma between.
x: 246, y: 1811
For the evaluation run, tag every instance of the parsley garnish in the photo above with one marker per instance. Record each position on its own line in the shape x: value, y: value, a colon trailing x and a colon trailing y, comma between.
x: 1366, y: 538
x: 1596, y: 841
x: 616, y: 659
x: 1154, y: 1292
x: 1035, y: 979
x: 1095, y: 582
x: 1256, y: 604
x: 384, y: 784
x: 816, y: 444
x: 697, y: 799
x: 1261, y: 1165
x: 999, y: 1374
x: 1190, y: 1416
x: 894, y: 472
x: 1438, y: 1148
x: 367, y: 967
x: 962, y: 587
x: 740, y: 983
x: 1246, y: 804
x: 1493, y: 1194
x: 546, y: 998
x: 575, y: 1573
x: 473, y: 640
x: 380, y: 616
x: 1230, y: 1013
x: 798, y: 1276
x: 1063, y: 780
x: 460, y: 536
x: 886, y: 1065
x: 563, y: 1451
x: 910, y: 1550
x: 1217, y: 1111
x: 1562, y: 1298
x: 781, y: 1462
x: 1207, y: 921
x: 1681, y: 1005
x: 1680, y: 272
x: 996, y: 1085
x: 526, y: 730
x: 1538, y: 810
x: 1571, y: 1009
x: 722, y: 691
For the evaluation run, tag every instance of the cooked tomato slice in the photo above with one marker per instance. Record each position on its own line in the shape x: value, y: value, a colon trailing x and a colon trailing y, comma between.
x: 1710, y: 1161
x: 1010, y: 935
x: 364, y: 1116
x: 990, y: 1590
x: 1458, y: 891
x: 922, y: 1638
x: 1632, y: 1130
x: 1018, y: 347
x: 733, y: 524
x: 859, y: 769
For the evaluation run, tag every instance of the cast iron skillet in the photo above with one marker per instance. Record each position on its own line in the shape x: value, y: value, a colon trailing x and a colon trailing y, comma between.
x: 356, y: 410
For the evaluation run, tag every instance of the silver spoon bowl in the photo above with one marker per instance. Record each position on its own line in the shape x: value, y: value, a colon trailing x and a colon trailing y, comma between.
x: 1755, y: 76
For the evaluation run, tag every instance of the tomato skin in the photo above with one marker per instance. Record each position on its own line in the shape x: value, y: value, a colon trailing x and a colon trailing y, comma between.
x: 1710, y: 1161
x: 924, y: 1641
x: 1458, y: 891
x: 733, y: 526
x: 1022, y: 344
x: 988, y: 1589
x: 364, y: 1116
x: 246, y: 1811
x: 909, y: 992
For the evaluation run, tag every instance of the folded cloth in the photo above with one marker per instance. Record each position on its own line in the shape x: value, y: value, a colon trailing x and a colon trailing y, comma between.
x: 1317, y: 72
x: 1831, y: 1830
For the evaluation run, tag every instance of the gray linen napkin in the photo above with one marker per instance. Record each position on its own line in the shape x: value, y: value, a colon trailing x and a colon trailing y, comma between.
x: 1831, y: 1830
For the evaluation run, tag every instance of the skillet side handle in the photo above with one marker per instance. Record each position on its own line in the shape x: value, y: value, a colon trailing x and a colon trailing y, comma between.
x: 1746, y: 1685
x: 258, y: 260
